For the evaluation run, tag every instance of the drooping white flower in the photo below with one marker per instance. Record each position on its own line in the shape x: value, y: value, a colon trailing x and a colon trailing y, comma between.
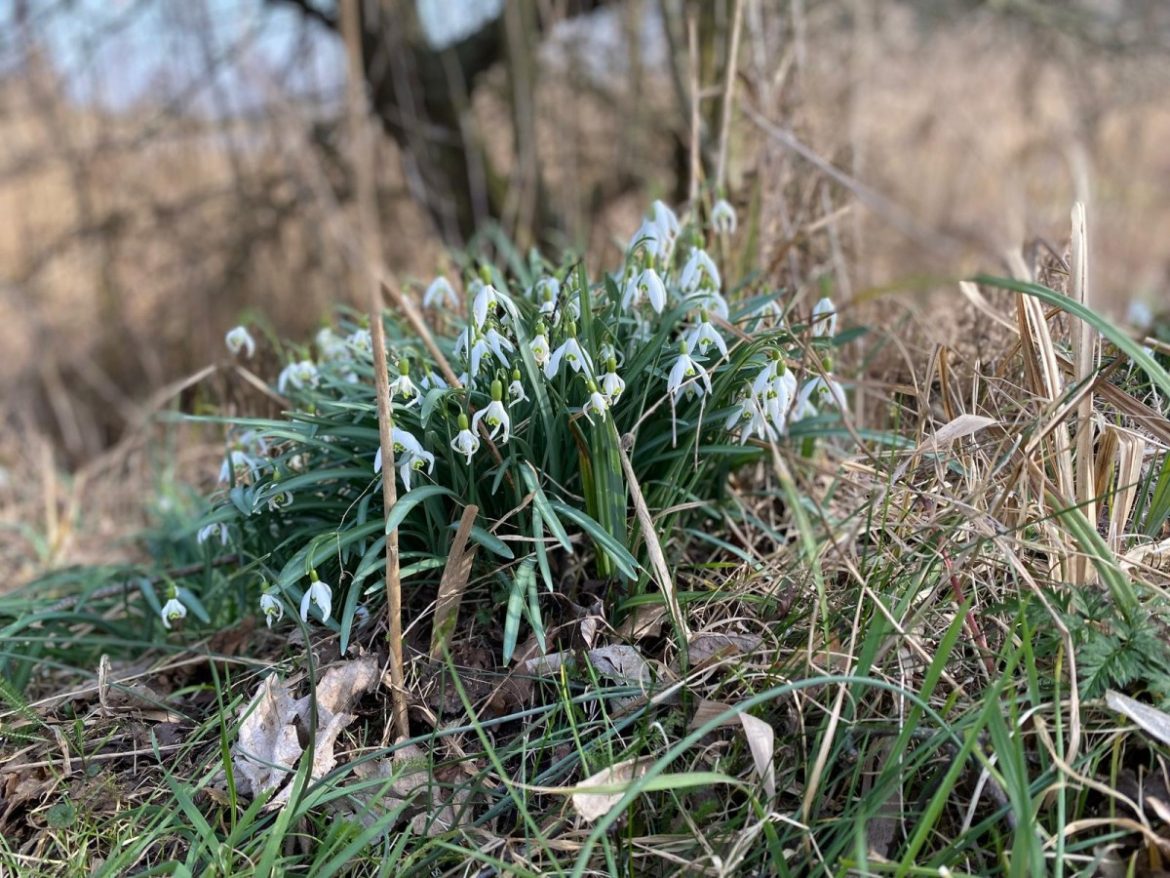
x: 216, y: 529
x: 702, y: 335
x: 240, y: 465
x: 331, y: 345
x: 474, y: 345
x: 498, y: 344
x: 824, y: 318
x: 318, y: 593
x: 279, y: 500
x: 404, y: 442
x: 699, y: 273
x: 683, y: 375
x: 403, y: 386
x: 172, y: 611
x: 668, y: 228
x: 495, y: 415
x: 645, y: 284
x: 239, y: 339
x: 360, y: 342
x: 596, y: 403
x: 466, y: 442
x: 412, y: 462
x: 649, y: 236
x: 820, y: 391
x: 611, y: 383
x: 547, y: 292
x: 298, y: 375
x: 571, y: 352
x: 816, y: 393
x: 539, y: 346
x: 723, y: 218
x: 431, y: 380
x: 440, y: 292
x: 271, y: 607
x: 751, y: 419
x: 516, y: 389
x: 486, y: 299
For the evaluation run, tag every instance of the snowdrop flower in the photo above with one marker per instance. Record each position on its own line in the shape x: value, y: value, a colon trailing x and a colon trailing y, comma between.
x: 440, y: 292
x: 816, y: 393
x: 710, y: 300
x: 331, y: 345
x: 466, y: 443
x: 539, y: 346
x: 611, y: 383
x: 547, y: 293
x: 474, y: 346
x: 645, y: 284
x: 360, y: 342
x: 495, y: 415
x: 1138, y: 313
x: 403, y: 442
x: 239, y: 339
x: 771, y: 308
x: 486, y: 298
x: 208, y: 531
x: 318, y: 593
x: 699, y: 273
x: 279, y: 500
x: 412, y: 462
x: 824, y: 318
x: 750, y: 418
x: 237, y: 464
x: 649, y: 236
x: 683, y: 373
x: 403, y: 385
x: 173, y: 611
x: 497, y: 344
x: 299, y: 375
x: 703, y: 335
x: 596, y: 403
x: 723, y: 218
x: 668, y: 228
x: 516, y: 389
x: 570, y: 351
x: 431, y: 381
x: 271, y: 607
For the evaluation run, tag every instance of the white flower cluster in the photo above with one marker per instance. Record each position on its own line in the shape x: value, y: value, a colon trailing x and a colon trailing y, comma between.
x: 501, y: 333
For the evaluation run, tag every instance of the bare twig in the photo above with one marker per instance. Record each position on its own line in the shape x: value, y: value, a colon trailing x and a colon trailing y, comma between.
x: 728, y: 97
x: 696, y: 154
x: 363, y: 146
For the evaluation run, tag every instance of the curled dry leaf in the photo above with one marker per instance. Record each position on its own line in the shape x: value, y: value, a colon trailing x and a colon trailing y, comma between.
x: 269, y: 745
x: 595, y: 805
x: 761, y: 738
x: 706, y: 646
x: 621, y: 662
x: 963, y: 425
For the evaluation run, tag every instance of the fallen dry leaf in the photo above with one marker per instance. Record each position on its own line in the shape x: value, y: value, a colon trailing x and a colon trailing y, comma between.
x: 269, y: 745
x: 595, y: 805
x: 645, y: 621
x: 620, y: 662
x: 1152, y: 721
x: 704, y: 647
x: 963, y: 425
x: 761, y: 738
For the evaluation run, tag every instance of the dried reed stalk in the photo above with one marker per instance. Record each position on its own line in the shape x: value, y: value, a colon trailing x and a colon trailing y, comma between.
x: 363, y: 161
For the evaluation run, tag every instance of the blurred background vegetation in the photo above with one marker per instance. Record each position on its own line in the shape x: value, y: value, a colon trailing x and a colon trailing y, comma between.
x: 168, y: 169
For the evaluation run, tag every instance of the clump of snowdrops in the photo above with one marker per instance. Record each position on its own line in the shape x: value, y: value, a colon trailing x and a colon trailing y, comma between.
x: 553, y: 372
